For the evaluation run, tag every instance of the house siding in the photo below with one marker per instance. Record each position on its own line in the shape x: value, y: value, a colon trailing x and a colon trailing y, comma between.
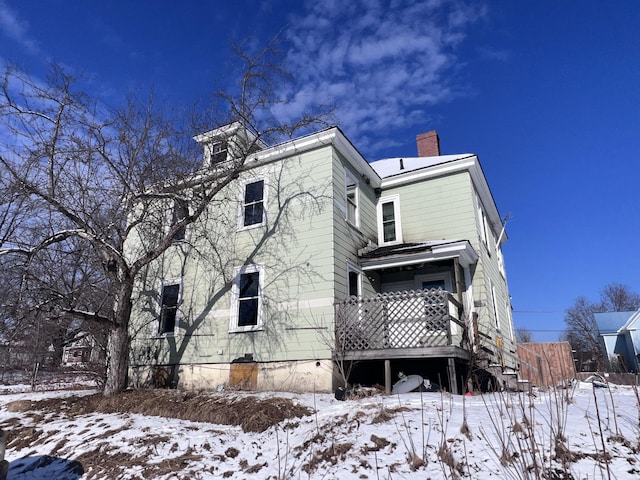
x: 303, y: 252
x: 348, y: 239
x: 446, y: 207
x: 298, y: 287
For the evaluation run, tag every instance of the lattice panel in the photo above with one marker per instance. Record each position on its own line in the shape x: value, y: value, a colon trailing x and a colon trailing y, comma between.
x: 393, y: 320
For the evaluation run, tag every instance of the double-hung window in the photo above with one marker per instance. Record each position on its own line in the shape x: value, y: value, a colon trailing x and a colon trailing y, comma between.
x: 179, y: 213
x: 169, y: 308
x: 389, y: 227
x: 351, y: 198
x: 253, y: 204
x: 218, y: 152
x: 494, y: 301
x: 247, y: 298
x: 483, y: 225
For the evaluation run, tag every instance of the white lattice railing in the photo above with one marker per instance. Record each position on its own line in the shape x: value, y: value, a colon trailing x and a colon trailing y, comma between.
x: 410, y: 319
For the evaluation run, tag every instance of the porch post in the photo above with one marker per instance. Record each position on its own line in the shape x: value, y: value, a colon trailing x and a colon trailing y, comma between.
x: 458, y: 278
x: 387, y: 377
x: 453, y: 381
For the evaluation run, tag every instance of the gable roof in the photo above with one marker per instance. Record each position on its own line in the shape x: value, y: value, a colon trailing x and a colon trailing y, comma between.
x: 614, y: 322
x: 401, y: 171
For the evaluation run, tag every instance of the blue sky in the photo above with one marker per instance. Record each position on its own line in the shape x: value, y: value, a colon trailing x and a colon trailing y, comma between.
x: 547, y: 93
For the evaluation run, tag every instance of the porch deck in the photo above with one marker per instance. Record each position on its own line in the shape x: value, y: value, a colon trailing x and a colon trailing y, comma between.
x: 408, y: 324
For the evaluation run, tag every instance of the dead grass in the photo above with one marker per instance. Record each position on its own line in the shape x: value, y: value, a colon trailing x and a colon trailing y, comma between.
x: 251, y: 413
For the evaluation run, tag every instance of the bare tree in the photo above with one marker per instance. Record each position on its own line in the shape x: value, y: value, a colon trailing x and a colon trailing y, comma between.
x: 106, y: 181
x: 582, y: 331
x: 524, y: 335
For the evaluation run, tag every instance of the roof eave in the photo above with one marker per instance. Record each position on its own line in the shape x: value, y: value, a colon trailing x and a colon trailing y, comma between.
x: 445, y: 251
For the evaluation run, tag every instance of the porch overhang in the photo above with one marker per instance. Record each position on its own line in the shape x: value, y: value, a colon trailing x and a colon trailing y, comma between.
x: 406, y: 254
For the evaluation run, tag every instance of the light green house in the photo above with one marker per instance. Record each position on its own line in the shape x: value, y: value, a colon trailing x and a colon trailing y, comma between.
x: 315, y: 267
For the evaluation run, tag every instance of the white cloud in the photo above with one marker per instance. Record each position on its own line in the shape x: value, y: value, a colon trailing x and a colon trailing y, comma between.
x: 16, y: 29
x: 381, y: 62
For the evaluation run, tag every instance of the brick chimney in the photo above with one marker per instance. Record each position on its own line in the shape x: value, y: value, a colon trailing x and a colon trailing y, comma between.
x: 428, y: 144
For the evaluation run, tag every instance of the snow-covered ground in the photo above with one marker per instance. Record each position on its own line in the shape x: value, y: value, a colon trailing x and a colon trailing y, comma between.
x: 580, y: 433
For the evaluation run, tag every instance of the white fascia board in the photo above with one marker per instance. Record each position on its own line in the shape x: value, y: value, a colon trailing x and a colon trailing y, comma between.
x: 331, y: 136
x: 227, y: 131
x: 214, y: 134
x: 464, y: 250
x: 470, y: 164
x: 629, y: 324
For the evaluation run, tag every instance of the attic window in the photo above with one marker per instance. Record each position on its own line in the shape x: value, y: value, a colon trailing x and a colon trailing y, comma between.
x: 218, y: 152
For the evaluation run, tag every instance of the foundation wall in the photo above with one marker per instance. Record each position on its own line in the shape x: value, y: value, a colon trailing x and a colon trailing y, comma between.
x: 291, y: 376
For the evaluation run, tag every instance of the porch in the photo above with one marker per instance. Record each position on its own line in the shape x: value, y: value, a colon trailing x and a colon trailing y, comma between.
x: 415, y: 324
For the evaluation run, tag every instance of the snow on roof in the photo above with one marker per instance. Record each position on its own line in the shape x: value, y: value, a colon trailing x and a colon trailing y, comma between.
x: 389, y: 167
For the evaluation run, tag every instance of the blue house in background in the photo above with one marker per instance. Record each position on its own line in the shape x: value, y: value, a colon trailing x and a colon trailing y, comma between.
x: 620, y: 332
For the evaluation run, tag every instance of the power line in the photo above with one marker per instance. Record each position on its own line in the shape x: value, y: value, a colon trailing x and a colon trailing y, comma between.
x: 538, y: 311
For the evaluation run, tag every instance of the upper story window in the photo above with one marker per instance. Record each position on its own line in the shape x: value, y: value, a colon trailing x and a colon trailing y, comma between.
x: 389, y: 227
x: 483, y: 224
x: 247, y: 298
x: 352, y: 198
x: 253, y: 204
x: 218, y: 152
x: 180, y: 212
x: 500, y: 261
x: 169, y: 308
x: 494, y: 301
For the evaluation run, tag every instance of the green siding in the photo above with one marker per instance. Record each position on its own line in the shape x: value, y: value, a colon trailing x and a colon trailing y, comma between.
x: 295, y: 249
x: 304, y: 249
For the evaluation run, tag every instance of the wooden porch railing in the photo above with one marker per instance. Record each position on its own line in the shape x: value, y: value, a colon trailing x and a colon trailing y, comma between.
x: 398, y: 320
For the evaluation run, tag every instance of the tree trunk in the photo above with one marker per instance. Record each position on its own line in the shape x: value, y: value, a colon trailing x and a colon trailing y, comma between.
x: 119, y: 342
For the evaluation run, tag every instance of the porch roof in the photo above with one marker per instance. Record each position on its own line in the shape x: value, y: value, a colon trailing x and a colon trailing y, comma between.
x: 414, y: 253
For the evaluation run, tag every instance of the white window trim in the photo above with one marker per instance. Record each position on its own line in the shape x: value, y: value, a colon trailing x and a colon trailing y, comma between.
x: 500, y: 257
x: 350, y: 177
x: 494, y: 299
x: 482, y: 218
x: 395, y: 199
x: 446, y: 276
x: 212, y: 152
x: 163, y: 283
x: 351, y: 267
x: 235, y: 298
x: 169, y: 223
x: 241, y: 225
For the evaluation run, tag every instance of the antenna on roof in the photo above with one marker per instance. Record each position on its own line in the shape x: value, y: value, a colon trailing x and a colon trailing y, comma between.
x: 401, y: 164
x: 506, y: 218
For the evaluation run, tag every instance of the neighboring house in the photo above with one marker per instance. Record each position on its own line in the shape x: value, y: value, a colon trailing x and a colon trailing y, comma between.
x: 315, y: 265
x: 620, y: 332
x: 82, y: 352
x: 546, y: 364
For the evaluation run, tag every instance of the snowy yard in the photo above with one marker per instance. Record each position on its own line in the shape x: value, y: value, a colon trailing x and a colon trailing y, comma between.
x: 580, y: 433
